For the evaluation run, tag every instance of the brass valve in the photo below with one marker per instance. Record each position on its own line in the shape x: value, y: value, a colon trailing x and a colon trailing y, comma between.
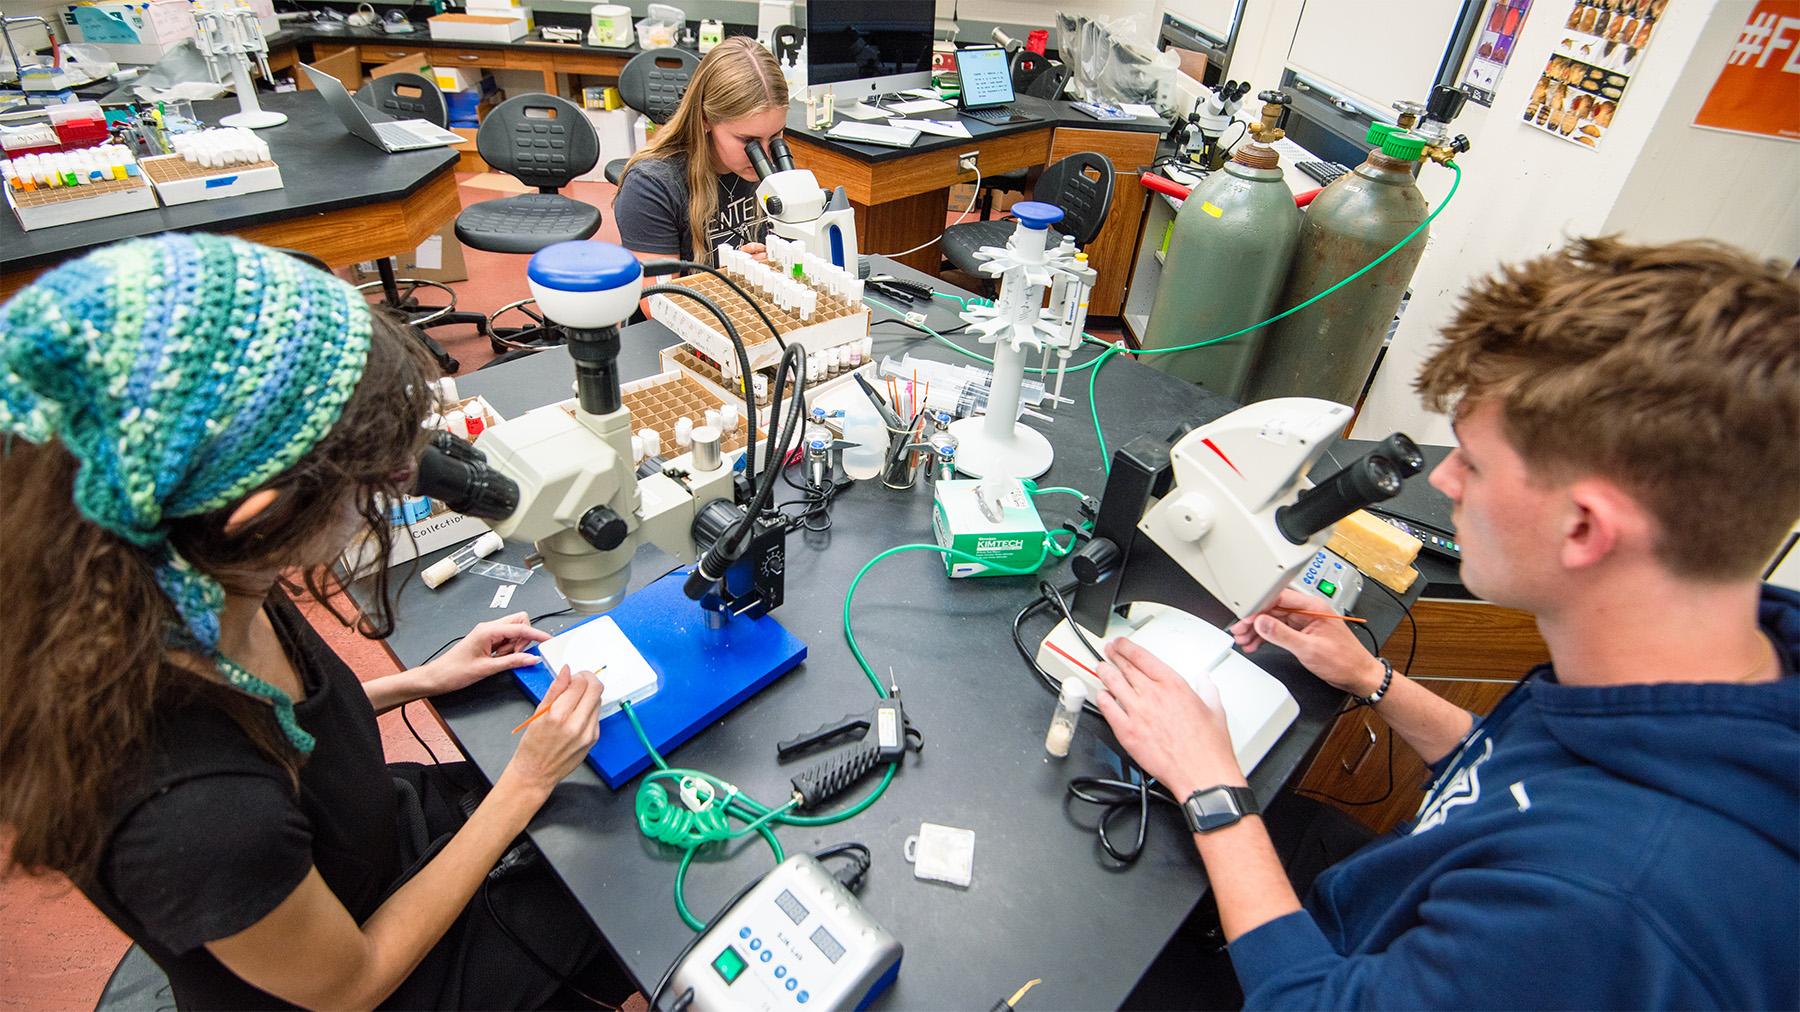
x: 1274, y: 103
x: 1444, y: 153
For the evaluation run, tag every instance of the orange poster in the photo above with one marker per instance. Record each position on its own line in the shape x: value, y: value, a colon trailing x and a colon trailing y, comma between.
x: 1758, y: 92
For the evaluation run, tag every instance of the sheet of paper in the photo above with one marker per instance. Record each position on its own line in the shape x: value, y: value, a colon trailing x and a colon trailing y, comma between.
x: 1140, y: 109
x: 602, y: 647
x: 918, y: 105
x: 942, y: 128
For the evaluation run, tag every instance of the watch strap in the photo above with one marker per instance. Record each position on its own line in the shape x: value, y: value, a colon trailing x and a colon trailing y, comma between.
x: 1213, y: 808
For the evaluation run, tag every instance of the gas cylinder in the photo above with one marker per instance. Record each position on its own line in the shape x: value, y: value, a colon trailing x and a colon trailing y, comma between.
x: 1232, y: 243
x: 1327, y: 349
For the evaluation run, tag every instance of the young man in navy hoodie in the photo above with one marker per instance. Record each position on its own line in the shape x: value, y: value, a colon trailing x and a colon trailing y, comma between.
x: 1622, y: 831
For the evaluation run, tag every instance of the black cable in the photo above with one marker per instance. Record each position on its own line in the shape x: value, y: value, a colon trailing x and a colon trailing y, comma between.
x: 556, y: 975
x: 734, y: 286
x: 435, y: 761
x: 746, y: 374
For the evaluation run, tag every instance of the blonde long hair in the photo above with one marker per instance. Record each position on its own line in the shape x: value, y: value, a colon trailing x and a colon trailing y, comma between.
x: 738, y: 78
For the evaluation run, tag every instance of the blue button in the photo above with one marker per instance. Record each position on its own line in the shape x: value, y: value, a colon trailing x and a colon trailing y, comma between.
x: 743, y: 932
x: 792, y: 983
x: 755, y: 943
x: 767, y: 955
x: 780, y: 972
x: 801, y: 997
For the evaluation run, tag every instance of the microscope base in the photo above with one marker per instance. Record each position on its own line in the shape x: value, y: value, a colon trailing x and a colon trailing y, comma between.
x: 1023, y: 453
x: 705, y: 673
x: 1258, y: 708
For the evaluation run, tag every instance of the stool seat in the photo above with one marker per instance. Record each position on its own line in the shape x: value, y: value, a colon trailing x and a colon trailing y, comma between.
x: 960, y: 243
x: 526, y: 223
x: 615, y: 170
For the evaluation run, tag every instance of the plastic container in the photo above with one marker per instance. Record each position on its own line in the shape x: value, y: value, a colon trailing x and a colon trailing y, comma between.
x: 660, y: 29
x: 1068, y: 713
x: 863, y: 426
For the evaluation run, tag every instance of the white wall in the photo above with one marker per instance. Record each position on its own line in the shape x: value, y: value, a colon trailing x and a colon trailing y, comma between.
x: 1655, y: 177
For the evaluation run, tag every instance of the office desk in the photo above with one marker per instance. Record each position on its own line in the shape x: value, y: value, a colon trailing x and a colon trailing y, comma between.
x: 341, y: 200
x: 901, y: 194
x: 1044, y: 902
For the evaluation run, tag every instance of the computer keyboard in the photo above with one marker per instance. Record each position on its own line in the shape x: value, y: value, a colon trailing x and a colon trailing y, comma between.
x: 999, y: 115
x: 407, y: 133
x: 1324, y: 172
x: 873, y: 133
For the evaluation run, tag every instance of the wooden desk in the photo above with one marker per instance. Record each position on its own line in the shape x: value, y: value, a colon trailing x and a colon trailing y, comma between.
x: 901, y: 196
x: 343, y: 201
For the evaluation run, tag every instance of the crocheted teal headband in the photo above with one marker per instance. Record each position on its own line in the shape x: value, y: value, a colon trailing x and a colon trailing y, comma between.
x: 183, y: 372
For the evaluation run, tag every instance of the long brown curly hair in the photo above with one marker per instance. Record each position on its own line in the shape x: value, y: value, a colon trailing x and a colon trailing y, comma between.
x: 85, y: 661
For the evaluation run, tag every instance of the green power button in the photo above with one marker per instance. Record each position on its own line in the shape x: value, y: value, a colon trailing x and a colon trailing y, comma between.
x: 1327, y: 588
x: 729, y: 964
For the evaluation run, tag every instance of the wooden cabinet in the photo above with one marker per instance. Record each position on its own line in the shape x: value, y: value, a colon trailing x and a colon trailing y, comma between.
x: 1112, y: 250
x: 1472, y: 654
x: 388, y: 54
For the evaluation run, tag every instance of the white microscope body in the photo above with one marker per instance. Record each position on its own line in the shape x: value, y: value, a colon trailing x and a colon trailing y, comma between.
x: 997, y: 444
x: 799, y: 210
x: 579, y: 499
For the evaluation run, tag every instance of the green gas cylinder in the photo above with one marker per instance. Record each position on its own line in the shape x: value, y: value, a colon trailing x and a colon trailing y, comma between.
x: 1327, y: 349
x: 1229, y: 252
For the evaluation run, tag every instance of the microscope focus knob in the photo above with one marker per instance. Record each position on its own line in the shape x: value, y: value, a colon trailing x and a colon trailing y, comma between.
x: 603, y: 528
x: 773, y: 204
x: 1191, y: 516
x: 1097, y: 561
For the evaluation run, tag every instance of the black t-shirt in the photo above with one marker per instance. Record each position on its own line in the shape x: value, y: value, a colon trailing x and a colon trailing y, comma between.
x: 652, y: 210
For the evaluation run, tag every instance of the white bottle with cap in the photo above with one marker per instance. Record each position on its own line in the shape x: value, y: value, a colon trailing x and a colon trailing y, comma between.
x: 1068, y: 712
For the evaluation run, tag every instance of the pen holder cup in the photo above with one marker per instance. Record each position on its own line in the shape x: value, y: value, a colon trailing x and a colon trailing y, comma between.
x: 900, y: 472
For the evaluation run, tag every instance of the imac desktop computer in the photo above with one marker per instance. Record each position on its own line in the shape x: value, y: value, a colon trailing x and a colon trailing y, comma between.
x: 860, y: 49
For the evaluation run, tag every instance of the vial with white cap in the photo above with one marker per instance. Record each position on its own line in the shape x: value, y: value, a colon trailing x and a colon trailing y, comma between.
x: 684, y: 431
x: 652, y: 441
x: 442, y: 570
x: 1068, y: 711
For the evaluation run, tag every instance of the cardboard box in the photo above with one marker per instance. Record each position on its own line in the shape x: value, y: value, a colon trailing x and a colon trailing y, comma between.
x: 1005, y: 529
x: 479, y: 27
x: 438, y: 258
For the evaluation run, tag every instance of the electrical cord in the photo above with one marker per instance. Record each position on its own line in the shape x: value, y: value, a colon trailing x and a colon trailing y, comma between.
x: 816, y: 502
x: 974, y: 198
x: 1100, y: 362
x: 744, y: 370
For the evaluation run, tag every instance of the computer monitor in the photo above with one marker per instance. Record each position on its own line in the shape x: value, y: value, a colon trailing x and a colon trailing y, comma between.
x: 985, y: 76
x: 862, y: 48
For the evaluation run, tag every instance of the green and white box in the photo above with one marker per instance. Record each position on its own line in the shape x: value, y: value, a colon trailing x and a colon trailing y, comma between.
x: 993, y: 520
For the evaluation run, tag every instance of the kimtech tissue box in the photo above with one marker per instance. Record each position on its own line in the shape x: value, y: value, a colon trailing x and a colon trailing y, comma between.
x: 992, y: 519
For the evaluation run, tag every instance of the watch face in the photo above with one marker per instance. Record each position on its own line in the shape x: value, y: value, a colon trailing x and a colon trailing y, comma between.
x: 1213, y: 809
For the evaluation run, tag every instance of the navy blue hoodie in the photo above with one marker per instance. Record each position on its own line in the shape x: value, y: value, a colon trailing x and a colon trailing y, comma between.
x: 1632, y: 846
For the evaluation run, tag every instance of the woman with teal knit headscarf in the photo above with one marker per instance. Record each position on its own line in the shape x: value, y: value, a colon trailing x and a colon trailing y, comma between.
x: 187, y: 422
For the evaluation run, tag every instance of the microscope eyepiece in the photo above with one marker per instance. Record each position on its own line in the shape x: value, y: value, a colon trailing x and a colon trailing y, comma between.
x: 1371, y: 479
x: 759, y: 159
x: 457, y: 474
x: 778, y: 150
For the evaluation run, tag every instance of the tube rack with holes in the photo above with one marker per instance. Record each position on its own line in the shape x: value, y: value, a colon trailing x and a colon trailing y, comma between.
x: 819, y: 313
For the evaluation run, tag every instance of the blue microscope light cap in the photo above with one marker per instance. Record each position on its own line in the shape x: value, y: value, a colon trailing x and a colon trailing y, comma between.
x: 1036, y: 213
x: 584, y: 267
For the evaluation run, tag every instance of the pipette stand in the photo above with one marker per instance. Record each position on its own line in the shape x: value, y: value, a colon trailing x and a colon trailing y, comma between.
x: 226, y: 30
x: 997, y: 444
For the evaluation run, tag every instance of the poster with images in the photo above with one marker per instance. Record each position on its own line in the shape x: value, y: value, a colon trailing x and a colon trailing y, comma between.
x: 1599, y: 47
x: 1758, y: 90
x: 1499, y: 30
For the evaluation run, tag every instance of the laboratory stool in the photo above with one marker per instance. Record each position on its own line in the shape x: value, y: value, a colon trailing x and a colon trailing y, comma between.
x: 652, y: 83
x: 543, y: 141
x: 412, y: 96
x: 1081, y: 184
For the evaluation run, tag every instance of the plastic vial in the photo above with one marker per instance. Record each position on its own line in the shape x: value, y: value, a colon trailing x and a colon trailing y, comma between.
x: 684, y: 432
x: 728, y: 417
x: 1068, y: 712
x: 442, y: 570
x: 652, y: 441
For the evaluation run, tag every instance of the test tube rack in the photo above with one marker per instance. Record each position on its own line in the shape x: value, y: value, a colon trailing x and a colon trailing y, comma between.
x: 655, y: 403
x: 45, y: 206
x: 179, y: 181
x: 835, y: 321
x: 682, y: 358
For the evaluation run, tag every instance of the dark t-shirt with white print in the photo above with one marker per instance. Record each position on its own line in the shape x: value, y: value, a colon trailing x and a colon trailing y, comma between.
x: 652, y: 210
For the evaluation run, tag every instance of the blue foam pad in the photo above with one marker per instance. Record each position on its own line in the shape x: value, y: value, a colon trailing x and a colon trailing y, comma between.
x: 704, y: 673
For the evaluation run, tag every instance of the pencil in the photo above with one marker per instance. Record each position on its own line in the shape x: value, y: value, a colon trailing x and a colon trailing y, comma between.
x: 542, y: 709
x: 1325, y: 614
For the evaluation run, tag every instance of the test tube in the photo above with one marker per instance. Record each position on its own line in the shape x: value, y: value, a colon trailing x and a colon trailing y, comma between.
x: 1068, y: 711
x: 442, y: 570
x: 457, y: 423
x: 652, y: 441
x: 728, y: 417
x: 684, y: 431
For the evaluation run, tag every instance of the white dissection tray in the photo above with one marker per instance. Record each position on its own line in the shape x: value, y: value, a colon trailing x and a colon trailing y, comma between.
x: 599, y: 645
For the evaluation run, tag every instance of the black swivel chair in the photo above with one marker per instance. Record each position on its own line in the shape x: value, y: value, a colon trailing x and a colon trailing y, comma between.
x: 1081, y: 184
x: 543, y: 141
x: 410, y: 96
x: 652, y: 83
x: 1037, y: 76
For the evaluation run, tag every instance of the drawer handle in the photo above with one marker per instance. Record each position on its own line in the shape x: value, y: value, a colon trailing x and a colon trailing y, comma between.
x: 395, y: 55
x: 471, y: 57
x: 1345, y: 105
x: 1368, y: 749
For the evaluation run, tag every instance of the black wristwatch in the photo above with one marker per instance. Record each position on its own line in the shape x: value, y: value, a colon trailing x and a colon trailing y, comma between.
x: 1215, y: 808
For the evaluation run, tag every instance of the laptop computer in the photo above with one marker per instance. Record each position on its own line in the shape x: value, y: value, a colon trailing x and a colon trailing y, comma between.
x: 388, y: 135
x: 987, y: 88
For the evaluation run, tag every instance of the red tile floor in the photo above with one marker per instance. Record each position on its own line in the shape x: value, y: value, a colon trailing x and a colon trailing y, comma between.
x: 56, y: 950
